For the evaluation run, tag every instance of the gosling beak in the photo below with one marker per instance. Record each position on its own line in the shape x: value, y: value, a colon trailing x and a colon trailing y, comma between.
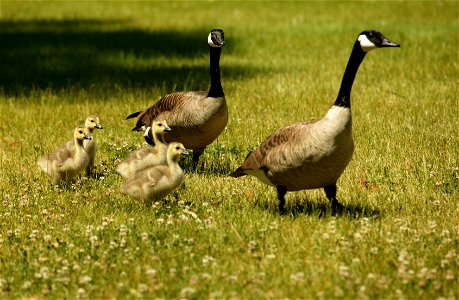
x: 184, y: 152
x: 99, y: 126
x: 167, y: 129
x: 87, y: 137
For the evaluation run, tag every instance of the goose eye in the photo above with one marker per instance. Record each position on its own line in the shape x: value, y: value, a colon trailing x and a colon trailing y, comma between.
x: 80, y: 131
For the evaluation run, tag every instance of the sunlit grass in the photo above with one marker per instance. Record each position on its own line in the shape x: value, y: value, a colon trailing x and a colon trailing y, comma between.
x: 220, y: 237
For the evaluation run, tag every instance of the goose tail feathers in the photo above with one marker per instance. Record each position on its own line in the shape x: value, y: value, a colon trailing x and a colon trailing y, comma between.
x: 133, y: 115
x: 238, y: 173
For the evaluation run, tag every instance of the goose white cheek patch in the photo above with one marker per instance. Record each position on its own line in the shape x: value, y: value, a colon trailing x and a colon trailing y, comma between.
x: 365, y: 43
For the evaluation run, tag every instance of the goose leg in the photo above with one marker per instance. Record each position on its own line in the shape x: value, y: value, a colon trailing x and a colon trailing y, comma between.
x: 330, y: 192
x: 281, y: 191
x: 89, y: 170
x: 196, y: 154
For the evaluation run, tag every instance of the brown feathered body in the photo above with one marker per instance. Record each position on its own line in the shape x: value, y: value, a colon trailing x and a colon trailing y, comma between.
x: 196, y: 120
x: 304, y: 155
x: 64, y: 163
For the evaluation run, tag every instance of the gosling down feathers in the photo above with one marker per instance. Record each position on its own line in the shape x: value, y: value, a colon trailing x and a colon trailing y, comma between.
x: 155, y: 183
x: 92, y: 122
x: 149, y: 156
x: 313, y: 155
x: 64, y: 163
x: 196, y: 118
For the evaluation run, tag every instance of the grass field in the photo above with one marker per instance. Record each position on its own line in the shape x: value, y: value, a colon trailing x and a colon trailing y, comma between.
x: 221, y: 237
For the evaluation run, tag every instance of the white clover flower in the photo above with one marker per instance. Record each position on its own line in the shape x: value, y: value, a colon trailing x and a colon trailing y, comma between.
x: 123, y: 230
x: 142, y: 287
x: 85, y: 279
x: 187, y: 292
x: 150, y: 272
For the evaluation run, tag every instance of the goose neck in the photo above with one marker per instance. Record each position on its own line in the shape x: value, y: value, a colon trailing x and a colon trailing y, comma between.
x: 216, y: 89
x: 344, y: 94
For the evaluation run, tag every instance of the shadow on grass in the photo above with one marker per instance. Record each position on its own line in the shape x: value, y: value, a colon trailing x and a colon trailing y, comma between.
x: 322, y: 210
x: 88, y: 53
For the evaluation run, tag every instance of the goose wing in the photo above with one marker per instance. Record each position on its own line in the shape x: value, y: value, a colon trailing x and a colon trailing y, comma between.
x: 166, y: 104
x: 274, y: 146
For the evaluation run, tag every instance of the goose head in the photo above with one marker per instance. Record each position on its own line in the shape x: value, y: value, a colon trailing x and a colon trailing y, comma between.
x: 216, y: 38
x: 92, y: 122
x: 82, y: 133
x: 176, y: 149
x: 372, y: 39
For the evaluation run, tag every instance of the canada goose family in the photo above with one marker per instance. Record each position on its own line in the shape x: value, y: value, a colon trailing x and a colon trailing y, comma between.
x: 156, y: 182
x: 149, y: 156
x: 313, y: 155
x: 196, y: 118
x: 92, y: 122
x: 64, y: 163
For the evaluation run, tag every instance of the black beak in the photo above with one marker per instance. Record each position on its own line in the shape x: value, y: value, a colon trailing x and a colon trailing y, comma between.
x: 388, y: 43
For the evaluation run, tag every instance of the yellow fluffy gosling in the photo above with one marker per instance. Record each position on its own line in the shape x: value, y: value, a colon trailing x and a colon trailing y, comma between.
x: 92, y: 122
x: 156, y: 182
x: 148, y: 156
x: 64, y: 163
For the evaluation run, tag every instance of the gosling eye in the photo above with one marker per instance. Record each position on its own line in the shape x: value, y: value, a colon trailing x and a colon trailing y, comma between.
x: 80, y: 131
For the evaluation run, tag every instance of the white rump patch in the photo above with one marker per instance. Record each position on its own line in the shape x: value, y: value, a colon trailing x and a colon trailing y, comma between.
x: 365, y: 43
x: 260, y: 175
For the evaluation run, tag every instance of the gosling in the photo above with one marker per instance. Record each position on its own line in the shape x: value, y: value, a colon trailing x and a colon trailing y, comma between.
x: 92, y: 122
x: 149, y: 156
x: 155, y: 183
x: 64, y: 163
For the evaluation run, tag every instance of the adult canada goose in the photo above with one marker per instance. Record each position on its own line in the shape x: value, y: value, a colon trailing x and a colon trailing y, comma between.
x: 313, y: 155
x: 149, y: 156
x: 156, y: 182
x: 64, y: 163
x: 92, y: 122
x: 196, y: 118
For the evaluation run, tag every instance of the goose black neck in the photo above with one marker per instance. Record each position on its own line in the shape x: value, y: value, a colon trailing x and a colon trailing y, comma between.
x: 160, y: 138
x: 215, y: 89
x: 344, y: 94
